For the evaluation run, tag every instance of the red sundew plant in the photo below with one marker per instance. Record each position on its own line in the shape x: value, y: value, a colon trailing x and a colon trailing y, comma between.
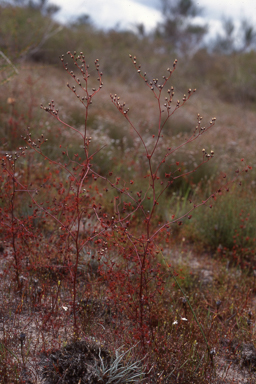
x: 16, y: 229
x: 70, y: 199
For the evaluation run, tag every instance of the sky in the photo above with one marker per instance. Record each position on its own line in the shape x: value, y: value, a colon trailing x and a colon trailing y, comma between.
x: 125, y: 14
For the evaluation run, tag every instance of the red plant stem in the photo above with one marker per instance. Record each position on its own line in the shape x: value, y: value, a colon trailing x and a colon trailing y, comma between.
x: 13, y: 232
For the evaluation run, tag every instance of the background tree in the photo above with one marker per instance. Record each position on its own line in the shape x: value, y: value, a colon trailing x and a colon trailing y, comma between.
x: 248, y: 34
x: 225, y: 43
x: 232, y: 39
x: 18, y: 19
x: 40, y: 5
x: 179, y: 27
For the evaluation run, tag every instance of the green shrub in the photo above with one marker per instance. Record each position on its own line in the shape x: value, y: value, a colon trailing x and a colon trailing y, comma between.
x: 230, y: 221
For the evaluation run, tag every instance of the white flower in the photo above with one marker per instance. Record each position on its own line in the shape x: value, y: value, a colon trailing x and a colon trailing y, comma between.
x: 65, y: 308
x: 175, y: 322
x: 184, y: 319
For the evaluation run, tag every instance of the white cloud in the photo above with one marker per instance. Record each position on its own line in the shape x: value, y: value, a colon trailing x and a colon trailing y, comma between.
x: 235, y: 9
x: 125, y: 14
x: 108, y: 14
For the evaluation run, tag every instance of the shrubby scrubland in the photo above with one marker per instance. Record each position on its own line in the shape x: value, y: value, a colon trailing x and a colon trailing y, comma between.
x: 127, y: 222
